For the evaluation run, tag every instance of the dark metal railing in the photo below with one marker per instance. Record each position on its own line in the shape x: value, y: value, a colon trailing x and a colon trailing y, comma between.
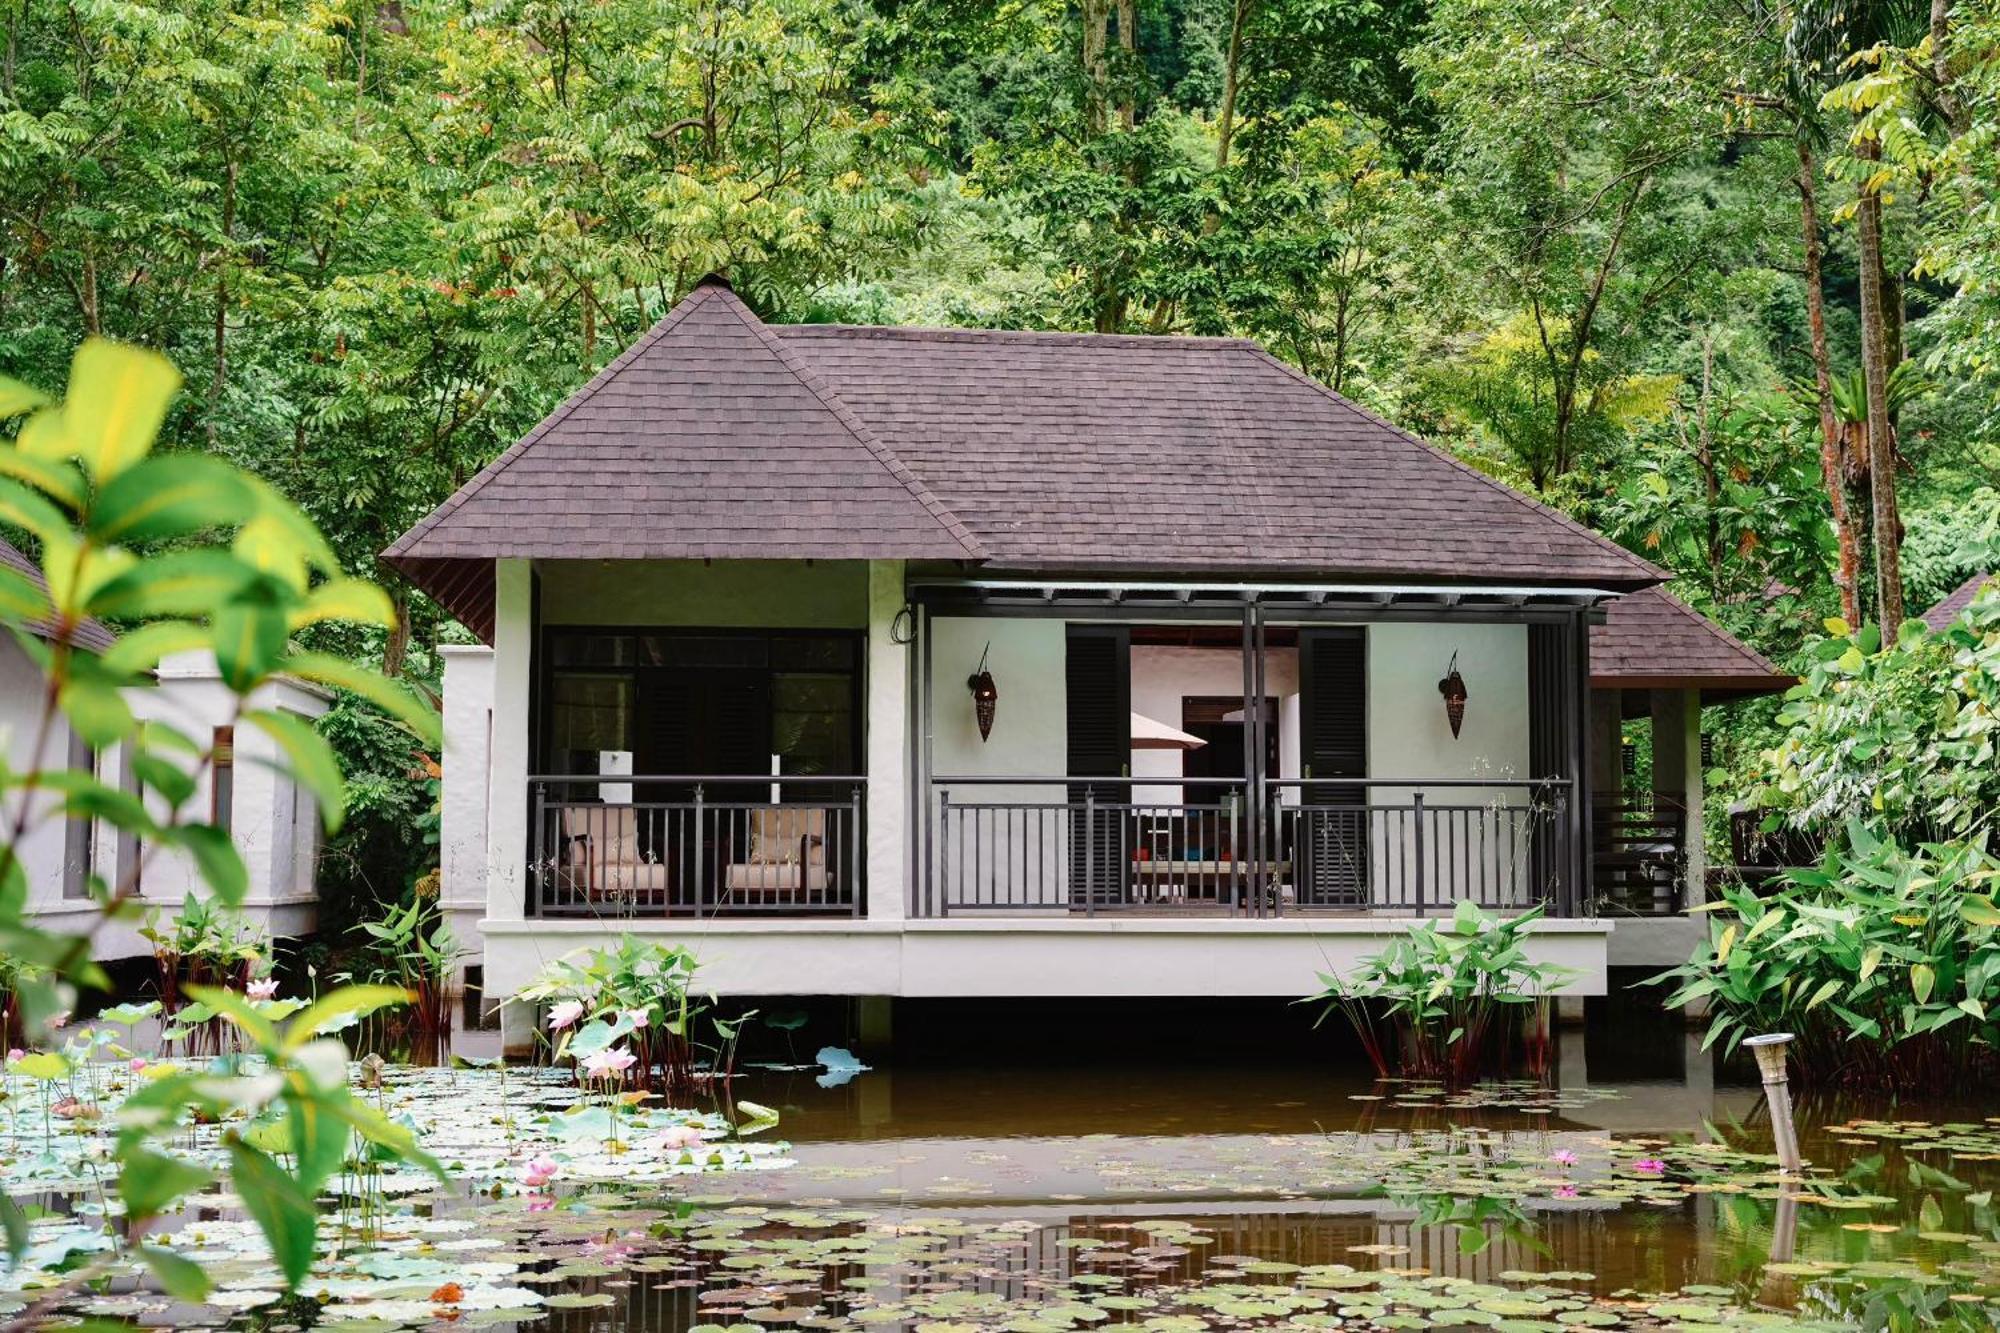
x: 1638, y: 853
x: 703, y: 845
x: 1090, y: 845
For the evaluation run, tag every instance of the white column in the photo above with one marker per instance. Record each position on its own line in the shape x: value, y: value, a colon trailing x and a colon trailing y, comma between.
x: 506, y: 816
x: 467, y: 790
x: 1677, y: 773
x: 888, y: 746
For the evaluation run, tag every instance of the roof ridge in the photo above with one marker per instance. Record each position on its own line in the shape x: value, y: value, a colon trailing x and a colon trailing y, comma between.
x: 1715, y: 628
x: 856, y: 427
x: 954, y: 333
x: 1658, y: 574
x: 702, y: 293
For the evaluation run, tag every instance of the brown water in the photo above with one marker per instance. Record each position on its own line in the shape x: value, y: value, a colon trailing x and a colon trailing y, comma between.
x: 1033, y: 1197
x: 1030, y: 1184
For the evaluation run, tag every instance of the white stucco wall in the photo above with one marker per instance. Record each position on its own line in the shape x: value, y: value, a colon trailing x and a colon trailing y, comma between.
x: 1030, y: 738
x: 41, y: 850
x: 273, y: 821
x: 1409, y: 735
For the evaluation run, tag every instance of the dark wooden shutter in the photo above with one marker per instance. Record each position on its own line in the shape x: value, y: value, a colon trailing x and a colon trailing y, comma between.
x: 1098, y: 676
x: 1333, y: 837
x: 1548, y: 747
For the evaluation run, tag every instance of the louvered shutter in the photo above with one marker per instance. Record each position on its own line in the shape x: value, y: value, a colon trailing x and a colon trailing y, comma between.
x: 1332, y: 847
x: 1098, y: 676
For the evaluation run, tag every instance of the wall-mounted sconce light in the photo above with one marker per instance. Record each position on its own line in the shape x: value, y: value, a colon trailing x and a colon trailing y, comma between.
x: 1452, y: 687
x: 903, y: 629
x: 985, y: 694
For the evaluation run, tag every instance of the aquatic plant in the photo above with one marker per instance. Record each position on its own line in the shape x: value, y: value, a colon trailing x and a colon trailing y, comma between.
x: 238, y: 571
x: 1883, y: 961
x: 412, y: 947
x: 205, y: 943
x: 1433, y: 1002
x: 638, y: 993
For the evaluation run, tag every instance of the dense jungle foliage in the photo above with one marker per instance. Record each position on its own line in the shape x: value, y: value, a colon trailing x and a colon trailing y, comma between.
x: 1718, y: 278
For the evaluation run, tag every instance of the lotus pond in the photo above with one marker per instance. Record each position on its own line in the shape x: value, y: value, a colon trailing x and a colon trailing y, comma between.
x: 1039, y: 1199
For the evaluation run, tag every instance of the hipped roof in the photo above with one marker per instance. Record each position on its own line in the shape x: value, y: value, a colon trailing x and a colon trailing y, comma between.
x: 717, y: 436
x: 1651, y: 639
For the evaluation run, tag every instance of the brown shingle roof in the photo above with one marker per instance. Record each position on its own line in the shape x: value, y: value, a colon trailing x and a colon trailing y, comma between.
x: 1941, y: 615
x: 90, y: 633
x: 702, y: 440
x: 1081, y: 451
x: 717, y: 436
x: 1651, y: 638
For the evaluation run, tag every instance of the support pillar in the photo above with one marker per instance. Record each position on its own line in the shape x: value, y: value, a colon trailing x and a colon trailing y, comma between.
x: 513, y: 674
x: 1677, y: 776
x: 888, y: 746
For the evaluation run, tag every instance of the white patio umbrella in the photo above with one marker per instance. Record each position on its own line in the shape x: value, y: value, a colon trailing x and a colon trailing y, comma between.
x: 1152, y: 734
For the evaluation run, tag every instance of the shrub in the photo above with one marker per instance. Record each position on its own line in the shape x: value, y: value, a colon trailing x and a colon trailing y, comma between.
x: 1883, y: 963
x: 1902, y: 734
x: 1431, y: 1002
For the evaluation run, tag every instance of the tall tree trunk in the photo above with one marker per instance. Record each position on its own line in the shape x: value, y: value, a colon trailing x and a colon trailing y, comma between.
x: 1832, y: 468
x: 397, y: 650
x: 1704, y: 452
x: 221, y: 373
x: 1128, y: 42
x: 1096, y: 77
x: 1949, y: 104
x: 1225, y: 116
x: 1875, y: 368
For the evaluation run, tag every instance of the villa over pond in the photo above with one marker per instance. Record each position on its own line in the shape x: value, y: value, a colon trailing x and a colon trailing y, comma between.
x: 886, y: 661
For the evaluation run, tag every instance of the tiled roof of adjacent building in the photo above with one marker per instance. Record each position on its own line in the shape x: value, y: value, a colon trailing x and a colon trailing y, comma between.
x: 1941, y: 615
x: 1652, y: 639
x: 717, y: 436
x: 90, y: 633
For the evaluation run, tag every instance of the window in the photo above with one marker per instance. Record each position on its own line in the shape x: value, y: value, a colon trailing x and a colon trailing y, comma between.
x: 812, y: 723
x: 588, y: 713
x: 701, y: 702
x: 222, y: 778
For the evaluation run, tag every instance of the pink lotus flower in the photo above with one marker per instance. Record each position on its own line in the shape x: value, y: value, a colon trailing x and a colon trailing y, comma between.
x: 541, y: 1203
x: 16, y: 1054
x: 264, y: 988
x: 610, y: 1063
x: 1563, y: 1157
x: 1566, y: 1192
x: 1652, y: 1166
x: 564, y: 1014
x: 638, y: 1018
x: 678, y: 1137
x: 537, y: 1172
x: 138, y: 1063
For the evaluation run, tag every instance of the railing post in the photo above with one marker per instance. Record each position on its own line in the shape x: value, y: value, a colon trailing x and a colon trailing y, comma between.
x: 854, y: 849
x: 700, y: 861
x: 941, y: 902
x: 537, y: 872
x: 1090, y: 851
x: 1417, y: 808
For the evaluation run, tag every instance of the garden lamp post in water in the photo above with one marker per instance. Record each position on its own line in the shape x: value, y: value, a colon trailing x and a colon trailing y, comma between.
x: 1770, y: 1051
